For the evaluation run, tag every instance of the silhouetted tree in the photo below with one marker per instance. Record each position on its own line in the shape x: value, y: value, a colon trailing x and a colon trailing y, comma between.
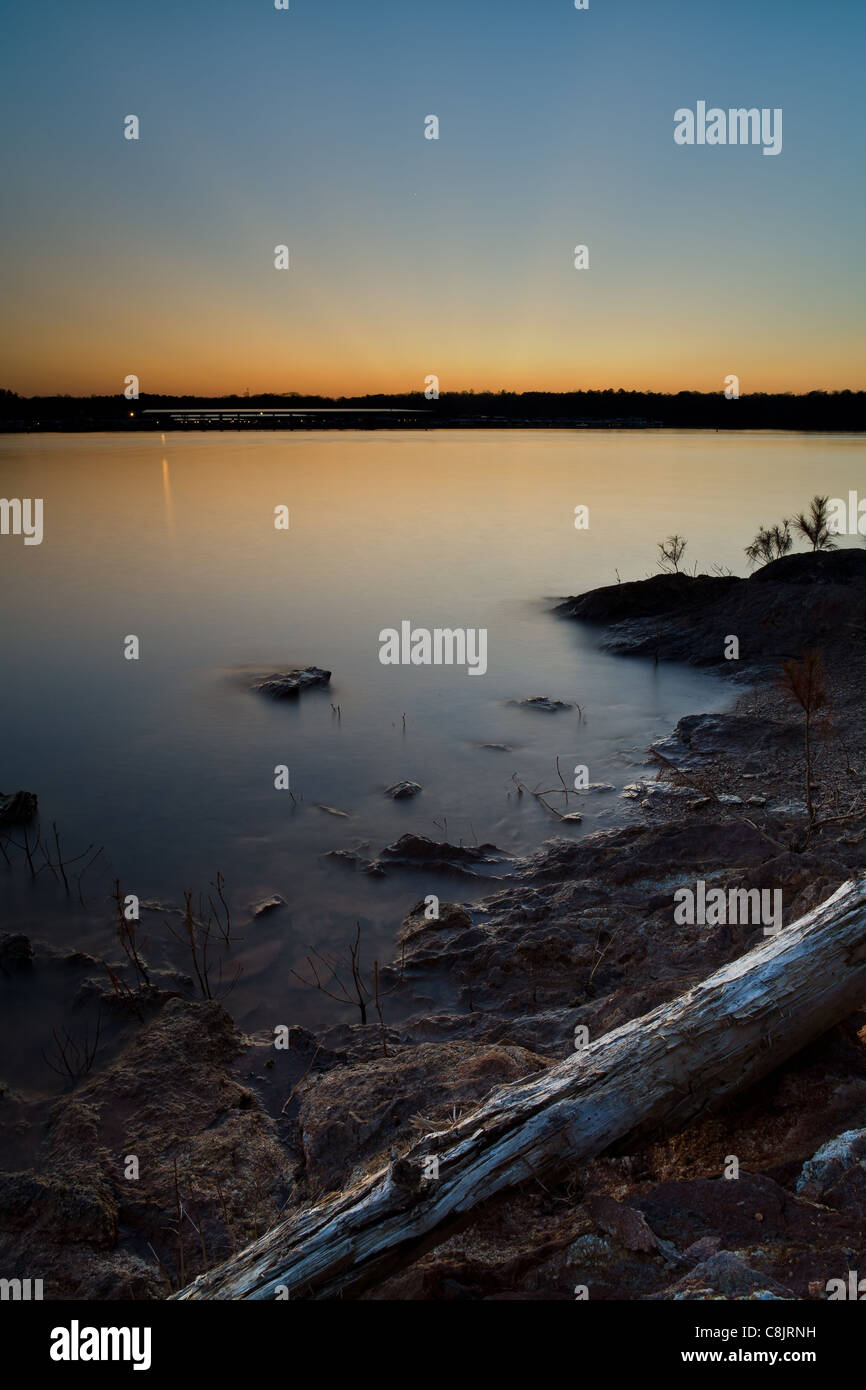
x: 770, y: 543
x: 671, y: 554
x: 815, y: 527
x: 805, y: 683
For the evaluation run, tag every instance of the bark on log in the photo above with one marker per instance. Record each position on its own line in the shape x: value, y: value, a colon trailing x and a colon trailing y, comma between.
x: 652, y: 1075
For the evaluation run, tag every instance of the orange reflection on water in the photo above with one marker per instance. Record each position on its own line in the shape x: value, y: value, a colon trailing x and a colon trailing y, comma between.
x: 166, y: 492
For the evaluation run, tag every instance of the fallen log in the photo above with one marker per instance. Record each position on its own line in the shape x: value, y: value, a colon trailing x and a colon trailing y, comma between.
x: 652, y: 1075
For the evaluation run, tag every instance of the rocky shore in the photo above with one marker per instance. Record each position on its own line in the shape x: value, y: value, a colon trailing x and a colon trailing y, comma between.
x: 231, y: 1133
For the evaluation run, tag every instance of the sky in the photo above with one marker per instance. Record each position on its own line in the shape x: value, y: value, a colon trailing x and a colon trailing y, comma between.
x: 412, y: 257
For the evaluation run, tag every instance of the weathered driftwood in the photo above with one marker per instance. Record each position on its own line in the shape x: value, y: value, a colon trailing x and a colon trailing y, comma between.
x: 653, y: 1074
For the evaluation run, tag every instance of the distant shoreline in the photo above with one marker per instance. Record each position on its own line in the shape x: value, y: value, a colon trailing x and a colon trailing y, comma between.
x: 813, y: 412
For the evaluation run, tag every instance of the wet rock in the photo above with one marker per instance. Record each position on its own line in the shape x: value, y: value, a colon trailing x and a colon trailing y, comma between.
x: 753, y: 741
x: 349, y: 857
x: 418, y: 851
x: 542, y: 703
x: 401, y: 791
x: 149, y: 999
x: 288, y: 684
x: 17, y: 808
x: 16, y: 952
x: 267, y: 906
x: 451, y: 918
x: 655, y: 791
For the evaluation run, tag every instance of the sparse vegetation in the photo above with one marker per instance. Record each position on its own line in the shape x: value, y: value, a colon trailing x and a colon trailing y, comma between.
x: 805, y: 683
x: 671, y: 553
x: 815, y: 527
x: 770, y: 543
x: 361, y: 990
x: 73, y: 1057
x: 38, y: 848
x: 196, y: 933
x: 127, y: 935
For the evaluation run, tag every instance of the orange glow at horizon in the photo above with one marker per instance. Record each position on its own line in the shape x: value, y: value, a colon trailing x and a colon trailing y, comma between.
x: 319, y: 344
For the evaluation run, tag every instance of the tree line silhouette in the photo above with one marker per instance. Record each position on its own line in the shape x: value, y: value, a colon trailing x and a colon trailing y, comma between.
x: 812, y: 410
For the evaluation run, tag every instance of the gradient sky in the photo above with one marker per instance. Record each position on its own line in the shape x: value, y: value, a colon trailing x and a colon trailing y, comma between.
x: 411, y: 256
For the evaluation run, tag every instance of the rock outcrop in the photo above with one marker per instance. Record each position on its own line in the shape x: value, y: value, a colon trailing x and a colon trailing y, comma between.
x: 798, y: 601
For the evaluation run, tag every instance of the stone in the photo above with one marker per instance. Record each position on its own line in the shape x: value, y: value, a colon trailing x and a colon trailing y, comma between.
x: 824, y: 1169
x: 542, y: 703
x: 269, y: 905
x: 401, y: 791
x: 288, y: 684
x: 17, y: 808
x: 16, y: 952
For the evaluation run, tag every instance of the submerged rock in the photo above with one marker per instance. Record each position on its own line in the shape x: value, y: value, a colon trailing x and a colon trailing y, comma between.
x: 268, y: 905
x: 417, y: 851
x: 401, y: 791
x: 349, y: 857
x: 542, y: 703
x: 16, y: 951
x: 286, y: 685
x: 17, y: 808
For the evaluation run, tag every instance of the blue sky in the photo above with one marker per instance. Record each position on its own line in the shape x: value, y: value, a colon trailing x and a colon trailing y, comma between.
x: 410, y: 256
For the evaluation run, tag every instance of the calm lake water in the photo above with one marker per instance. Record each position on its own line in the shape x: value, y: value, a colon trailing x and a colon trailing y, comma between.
x: 169, y: 761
